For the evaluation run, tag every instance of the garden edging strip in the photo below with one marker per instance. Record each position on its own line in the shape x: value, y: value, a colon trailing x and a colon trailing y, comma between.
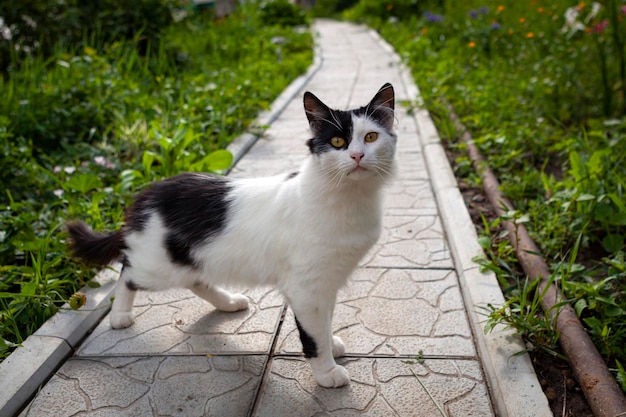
x: 42, y: 353
x: 515, y: 389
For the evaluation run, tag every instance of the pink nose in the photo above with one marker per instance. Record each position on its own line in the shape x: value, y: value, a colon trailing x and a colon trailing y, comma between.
x: 357, y: 156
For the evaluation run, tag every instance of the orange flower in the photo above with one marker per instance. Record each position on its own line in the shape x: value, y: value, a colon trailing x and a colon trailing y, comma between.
x: 530, y: 35
x: 522, y: 19
x: 389, y: 7
x: 472, y: 44
x: 424, y: 30
x: 499, y: 9
x: 581, y: 5
x: 540, y: 10
x: 510, y: 31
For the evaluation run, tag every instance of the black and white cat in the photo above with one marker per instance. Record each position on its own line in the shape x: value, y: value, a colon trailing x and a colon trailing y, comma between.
x: 303, y: 232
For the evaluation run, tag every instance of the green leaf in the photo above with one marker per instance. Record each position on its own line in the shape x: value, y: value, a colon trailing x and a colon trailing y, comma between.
x: 613, y: 243
x: 83, y: 183
x: 29, y: 288
x: 216, y: 161
x: 579, y: 306
x: 621, y: 375
x: 484, y: 242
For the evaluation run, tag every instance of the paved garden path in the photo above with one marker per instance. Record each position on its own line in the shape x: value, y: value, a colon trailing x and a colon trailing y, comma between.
x: 403, y: 317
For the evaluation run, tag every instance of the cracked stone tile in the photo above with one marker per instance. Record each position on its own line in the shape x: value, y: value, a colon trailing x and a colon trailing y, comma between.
x: 395, y: 312
x: 174, y: 386
x: 177, y: 321
x: 379, y: 386
x: 410, y: 242
x: 410, y: 197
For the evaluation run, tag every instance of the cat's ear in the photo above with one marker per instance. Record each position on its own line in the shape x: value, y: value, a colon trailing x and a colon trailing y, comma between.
x: 316, y: 111
x: 382, y: 106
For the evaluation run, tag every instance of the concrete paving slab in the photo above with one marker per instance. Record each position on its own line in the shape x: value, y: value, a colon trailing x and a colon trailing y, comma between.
x: 380, y: 387
x: 27, y: 368
x: 178, y: 322
x: 433, y: 321
x: 157, y: 385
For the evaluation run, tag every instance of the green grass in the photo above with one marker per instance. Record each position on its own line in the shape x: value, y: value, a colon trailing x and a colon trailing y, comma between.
x: 84, y: 128
x: 546, y: 106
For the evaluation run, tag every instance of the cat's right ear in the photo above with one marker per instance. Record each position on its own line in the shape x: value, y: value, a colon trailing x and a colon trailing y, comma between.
x: 316, y: 111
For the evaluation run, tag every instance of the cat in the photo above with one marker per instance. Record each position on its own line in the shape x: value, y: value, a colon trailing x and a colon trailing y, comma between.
x: 303, y: 232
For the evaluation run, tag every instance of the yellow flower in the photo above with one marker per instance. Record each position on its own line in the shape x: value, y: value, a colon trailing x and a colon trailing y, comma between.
x: 530, y: 35
x: 472, y: 44
x: 90, y: 51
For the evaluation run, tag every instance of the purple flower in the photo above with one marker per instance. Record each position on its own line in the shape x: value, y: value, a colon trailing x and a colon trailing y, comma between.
x: 483, y: 10
x: 599, y: 28
x: 495, y: 25
x: 431, y: 17
x: 473, y: 14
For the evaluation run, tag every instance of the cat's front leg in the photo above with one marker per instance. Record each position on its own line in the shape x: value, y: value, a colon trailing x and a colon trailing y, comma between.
x: 313, y: 319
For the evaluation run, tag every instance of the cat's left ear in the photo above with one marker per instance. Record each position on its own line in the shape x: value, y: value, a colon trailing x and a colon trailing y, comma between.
x: 382, y: 106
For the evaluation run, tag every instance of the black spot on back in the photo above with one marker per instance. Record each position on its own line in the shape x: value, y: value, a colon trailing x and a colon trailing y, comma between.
x: 193, y: 207
x: 291, y: 175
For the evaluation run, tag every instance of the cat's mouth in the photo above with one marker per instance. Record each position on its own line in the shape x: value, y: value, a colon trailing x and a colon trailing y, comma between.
x: 358, y: 168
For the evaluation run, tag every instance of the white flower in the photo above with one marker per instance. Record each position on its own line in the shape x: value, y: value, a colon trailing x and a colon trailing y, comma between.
x: 595, y: 9
x: 69, y: 170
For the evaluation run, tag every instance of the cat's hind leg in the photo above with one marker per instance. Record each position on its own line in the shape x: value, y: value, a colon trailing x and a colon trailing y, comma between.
x: 122, y: 309
x: 220, y: 298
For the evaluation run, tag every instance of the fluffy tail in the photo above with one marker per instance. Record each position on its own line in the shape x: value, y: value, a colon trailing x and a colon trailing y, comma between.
x: 95, y: 248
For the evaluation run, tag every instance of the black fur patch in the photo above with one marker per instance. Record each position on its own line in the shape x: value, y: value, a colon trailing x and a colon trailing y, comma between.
x: 309, y: 347
x: 292, y: 175
x: 324, y: 131
x: 132, y: 286
x: 193, y: 207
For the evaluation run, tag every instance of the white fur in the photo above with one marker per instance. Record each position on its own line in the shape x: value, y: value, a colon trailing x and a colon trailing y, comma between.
x: 304, y: 235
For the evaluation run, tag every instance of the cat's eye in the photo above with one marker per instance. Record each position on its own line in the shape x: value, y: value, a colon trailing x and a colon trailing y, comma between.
x: 337, y: 141
x: 371, y: 137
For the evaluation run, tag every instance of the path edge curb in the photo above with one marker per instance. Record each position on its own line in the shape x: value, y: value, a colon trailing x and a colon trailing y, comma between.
x: 43, y: 353
x: 514, y: 388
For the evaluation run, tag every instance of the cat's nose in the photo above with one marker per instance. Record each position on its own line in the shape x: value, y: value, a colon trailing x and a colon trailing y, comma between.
x: 357, y: 156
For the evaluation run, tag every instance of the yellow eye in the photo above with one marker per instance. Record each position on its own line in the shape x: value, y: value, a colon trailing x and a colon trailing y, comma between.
x: 371, y: 137
x: 337, y: 141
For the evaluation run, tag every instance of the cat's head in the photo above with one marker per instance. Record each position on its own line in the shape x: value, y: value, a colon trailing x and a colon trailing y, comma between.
x: 353, y: 144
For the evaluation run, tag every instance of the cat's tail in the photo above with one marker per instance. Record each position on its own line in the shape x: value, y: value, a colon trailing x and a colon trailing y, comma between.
x: 95, y: 248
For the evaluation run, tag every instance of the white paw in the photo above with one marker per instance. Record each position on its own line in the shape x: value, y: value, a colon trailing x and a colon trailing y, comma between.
x: 237, y: 302
x: 121, y: 320
x: 336, y: 377
x: 338, y: 347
